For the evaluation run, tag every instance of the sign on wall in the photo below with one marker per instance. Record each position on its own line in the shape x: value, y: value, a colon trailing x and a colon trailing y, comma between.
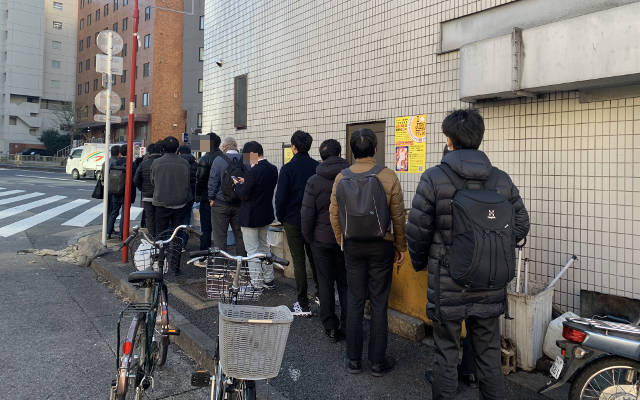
x: 410, y: 142
x: 287, y: 153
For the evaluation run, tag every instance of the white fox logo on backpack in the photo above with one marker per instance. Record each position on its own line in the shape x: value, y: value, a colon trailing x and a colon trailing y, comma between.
x: 492, y: 214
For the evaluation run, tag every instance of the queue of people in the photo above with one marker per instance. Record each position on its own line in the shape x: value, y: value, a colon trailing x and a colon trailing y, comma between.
x: 348, y: 223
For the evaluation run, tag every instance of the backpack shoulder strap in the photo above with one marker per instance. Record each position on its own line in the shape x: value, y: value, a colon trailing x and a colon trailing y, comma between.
x: 376, y: 170
x: 347, y: 173
x: 225, y: 158
x: 492, y: 181
x: 455, y: 179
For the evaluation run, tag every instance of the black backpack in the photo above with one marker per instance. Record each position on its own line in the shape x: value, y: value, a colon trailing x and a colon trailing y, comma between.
x: 117, y: 176
x: 362, y: 201
x: 235, y: 168
x: 482, y: 251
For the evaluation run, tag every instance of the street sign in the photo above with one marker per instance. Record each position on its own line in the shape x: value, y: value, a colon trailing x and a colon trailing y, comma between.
x: 116, y: 41
x: 117, y: 64
x: 105, y: 81
x: 101, y: 101
x: 103, y: 118
x: 185, y: 137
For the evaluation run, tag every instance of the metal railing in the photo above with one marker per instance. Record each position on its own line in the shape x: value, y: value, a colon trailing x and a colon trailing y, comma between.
x: 33, y: 160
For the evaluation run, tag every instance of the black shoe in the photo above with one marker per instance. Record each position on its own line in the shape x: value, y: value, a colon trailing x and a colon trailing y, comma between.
x: 381, y: 369
x: 354, y: 366
x: 470, y: 380
x: 333, y: 335
x: 269, y: 285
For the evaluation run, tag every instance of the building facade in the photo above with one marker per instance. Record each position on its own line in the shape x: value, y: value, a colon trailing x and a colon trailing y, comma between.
x: 557, y: 87
x: 192, y: 63
x: 38, y: 48
x: 158, y: 96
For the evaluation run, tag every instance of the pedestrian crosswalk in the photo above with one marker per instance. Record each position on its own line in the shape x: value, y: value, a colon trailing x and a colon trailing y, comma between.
x: 21, y: 210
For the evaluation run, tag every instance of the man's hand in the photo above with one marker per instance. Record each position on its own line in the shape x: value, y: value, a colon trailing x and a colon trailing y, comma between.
x: 238, y: 180
x: 211, y: 202
x: 399, y: 258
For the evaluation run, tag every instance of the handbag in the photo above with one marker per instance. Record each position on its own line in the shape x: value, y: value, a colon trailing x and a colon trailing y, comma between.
x: 98, y: 191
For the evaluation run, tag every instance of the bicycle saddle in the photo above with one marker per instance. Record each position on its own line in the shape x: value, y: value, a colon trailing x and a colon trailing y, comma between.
x: 147, y: 274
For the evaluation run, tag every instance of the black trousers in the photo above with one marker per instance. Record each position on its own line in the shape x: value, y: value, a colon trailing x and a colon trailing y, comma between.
x: 331, y: 273
x: 223, y: 215
x: 369, y: 268
x: 205, y: 223
x: 150, y: 217
x: 167, y: 219
x: 114, y: 210
x: 298, y: 247
x: 485, y: 341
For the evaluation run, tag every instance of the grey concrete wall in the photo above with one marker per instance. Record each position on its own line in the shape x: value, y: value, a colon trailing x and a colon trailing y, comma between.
x: 191, y: 64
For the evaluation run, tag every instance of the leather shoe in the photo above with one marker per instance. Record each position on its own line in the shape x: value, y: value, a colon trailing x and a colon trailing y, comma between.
x: 381, y: 369
x: 470, y: 380
x: 333, y: 335
x: 354, y: 366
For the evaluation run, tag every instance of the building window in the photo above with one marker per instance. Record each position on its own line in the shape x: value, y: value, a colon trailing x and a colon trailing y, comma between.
x: 89, y: 19
x: 54, y: 84
x: 125, y: 24
x: 147, y: 41
x: 79, y: 89
x: 115, y: 27
x: 145, y: 99
x: 106, y: 10
x: 145, y: 69
x: 80, y: 45
x: 199, y: 85
x: 199, y: 121
x: 124, y: 50
x: 125, y: 2
x: 57, y: 5
x: 80, y: 67
x: 55, y: 44
x: 201, y: 54
x: 55, y: 64
x: 57, y: 25
x: 135, y: 101
x: 81, y: 23
x: 88, y: 41
x: 122, y: 99
x: 115, y: 5
x: 147, y: 13
x: 86, y: 87
x: 13, y: 120
x: 87, y: 65
x: 95, y: 84
x: 201, y: 22
x: 240, y: 101
x: 98, y: 14
x: 123, y: 77
x: 81, y: 3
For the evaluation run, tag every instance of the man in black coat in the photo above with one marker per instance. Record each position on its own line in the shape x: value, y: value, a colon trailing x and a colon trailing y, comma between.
x: 429, y: 233
x: 142, y: 180
x: 202, y: 182
x: 185, y: 153
x: 291, y: 183
x: 256, y: 210
x: 316, y: 229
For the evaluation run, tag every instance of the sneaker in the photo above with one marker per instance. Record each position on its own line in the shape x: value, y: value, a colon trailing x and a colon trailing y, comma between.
x: 354, y: 366
x: 381, y: 369
x: 269, y: 285
x: 300, y: 310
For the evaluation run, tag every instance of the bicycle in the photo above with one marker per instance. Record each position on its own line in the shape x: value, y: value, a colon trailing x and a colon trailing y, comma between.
x: 147, y: 341
x: 251, y: 339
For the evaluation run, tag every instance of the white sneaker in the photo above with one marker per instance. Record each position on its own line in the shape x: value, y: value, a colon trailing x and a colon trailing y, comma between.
x: 299, y: 311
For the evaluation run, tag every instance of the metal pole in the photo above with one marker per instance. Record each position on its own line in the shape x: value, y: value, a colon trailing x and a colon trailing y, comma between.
x: 130, y: 132
x: 107, y: 138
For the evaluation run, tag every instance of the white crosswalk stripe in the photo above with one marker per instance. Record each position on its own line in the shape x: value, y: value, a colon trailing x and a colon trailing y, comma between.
x: 26, y: 207
x: 20, y: 198
x: 34, y: 220
x: 10, y: 192
x: 133, y: 214
x: 86, y: 217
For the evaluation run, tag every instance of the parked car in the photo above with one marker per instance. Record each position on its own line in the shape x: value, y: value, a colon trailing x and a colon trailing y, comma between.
x: 33, y: 152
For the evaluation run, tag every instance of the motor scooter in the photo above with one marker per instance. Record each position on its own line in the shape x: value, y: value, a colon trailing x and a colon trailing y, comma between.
x: 600, y: 360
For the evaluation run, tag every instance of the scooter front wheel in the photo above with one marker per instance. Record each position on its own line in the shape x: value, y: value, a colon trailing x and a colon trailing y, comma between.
x: 609, y: 378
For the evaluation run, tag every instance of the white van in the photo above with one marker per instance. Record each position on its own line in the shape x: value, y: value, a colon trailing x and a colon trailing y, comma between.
x: 86, y: 160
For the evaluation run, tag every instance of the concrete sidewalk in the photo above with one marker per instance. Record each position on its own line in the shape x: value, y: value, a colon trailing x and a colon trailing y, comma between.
x: 312, y: 367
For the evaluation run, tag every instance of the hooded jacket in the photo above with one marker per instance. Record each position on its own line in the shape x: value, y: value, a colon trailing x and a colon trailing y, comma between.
x: 142, y: 178
x: 202, y: 176
x: 429, y: 233
x: 316, y: 223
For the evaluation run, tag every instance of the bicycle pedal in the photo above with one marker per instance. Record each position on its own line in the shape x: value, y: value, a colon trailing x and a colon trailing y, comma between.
x: 173, y: 332
x: 201, y: 378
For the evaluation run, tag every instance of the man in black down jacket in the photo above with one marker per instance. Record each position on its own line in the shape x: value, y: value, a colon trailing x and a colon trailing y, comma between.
x: 291, y: 183
x: 185, y: 154
x: 429, y: 233
x: 142, y: 180
x: 202, y: 182
x: 316, y: 229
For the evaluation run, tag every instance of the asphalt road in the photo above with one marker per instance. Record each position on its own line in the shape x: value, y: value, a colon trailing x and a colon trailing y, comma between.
x: 58, y: 320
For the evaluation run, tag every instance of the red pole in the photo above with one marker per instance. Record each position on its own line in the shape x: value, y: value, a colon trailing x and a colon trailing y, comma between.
x: 130, y: 132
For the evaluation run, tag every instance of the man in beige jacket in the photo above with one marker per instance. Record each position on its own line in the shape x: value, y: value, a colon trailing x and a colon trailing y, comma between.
x: 369, y: 263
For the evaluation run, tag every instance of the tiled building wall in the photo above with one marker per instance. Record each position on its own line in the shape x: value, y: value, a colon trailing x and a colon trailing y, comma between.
x: 319, y: 66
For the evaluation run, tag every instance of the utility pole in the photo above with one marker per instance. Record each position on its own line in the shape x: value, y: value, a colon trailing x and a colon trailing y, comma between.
x: 107, y: 137
x: 130, y: 132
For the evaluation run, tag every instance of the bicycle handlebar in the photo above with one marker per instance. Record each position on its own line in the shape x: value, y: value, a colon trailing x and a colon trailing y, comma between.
x: 216, y: 252
x: 136, y: 231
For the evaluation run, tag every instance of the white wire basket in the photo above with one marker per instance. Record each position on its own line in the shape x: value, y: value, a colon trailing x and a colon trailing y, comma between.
x: 220, y: 272
x: 253, y: 340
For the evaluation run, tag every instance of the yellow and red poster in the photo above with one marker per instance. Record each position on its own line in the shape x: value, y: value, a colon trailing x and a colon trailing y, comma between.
x: 411, y: 143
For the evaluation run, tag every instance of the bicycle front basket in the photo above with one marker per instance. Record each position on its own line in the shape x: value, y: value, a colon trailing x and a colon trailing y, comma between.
x: 220, y: 273
x: 252, y: 340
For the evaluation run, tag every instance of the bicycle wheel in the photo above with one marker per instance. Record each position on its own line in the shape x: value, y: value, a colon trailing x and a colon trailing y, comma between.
x: 132, y: 367
x: 161, y: 341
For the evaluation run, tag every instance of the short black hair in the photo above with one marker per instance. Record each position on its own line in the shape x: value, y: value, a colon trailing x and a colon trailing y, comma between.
x: 465, y: 128
x: 302, y: 140
x: 330, y: 147
x: 152, y: 148
x: 115, y: 151
x: 123, y: 150
x: 363, y: 143
x: 215, y: 140
x: 253, y: 147
x: 184, y: 149
x: 170, y: 145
